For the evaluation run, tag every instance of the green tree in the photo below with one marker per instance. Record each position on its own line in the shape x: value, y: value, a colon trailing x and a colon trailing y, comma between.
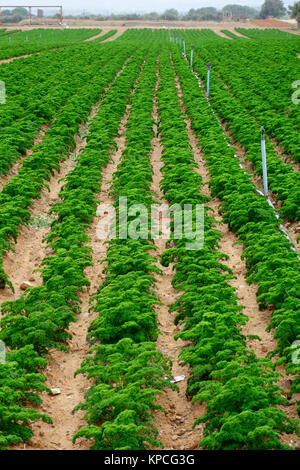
x: 170, y: 15
x: 203, y: 14
x: 242, y: 10
x: 274, y: 8
x: 14, y: 16
x: 23, y: 12
x: 151, y: 16
x: 295, y: 12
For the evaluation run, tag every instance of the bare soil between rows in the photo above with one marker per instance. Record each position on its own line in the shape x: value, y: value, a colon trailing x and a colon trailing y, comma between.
x: 175, y: 428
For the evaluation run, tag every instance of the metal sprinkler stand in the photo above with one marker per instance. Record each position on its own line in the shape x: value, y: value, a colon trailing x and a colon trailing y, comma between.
x: 264, y: 161
x: 209, y: 66
x: 192, y: 52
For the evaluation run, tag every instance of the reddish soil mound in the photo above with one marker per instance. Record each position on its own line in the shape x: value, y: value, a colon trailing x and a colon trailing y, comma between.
x: 272, y: 23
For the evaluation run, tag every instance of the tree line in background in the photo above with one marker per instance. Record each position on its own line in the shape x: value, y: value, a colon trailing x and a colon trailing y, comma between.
x: 15, y: 15
x: 274, y: 8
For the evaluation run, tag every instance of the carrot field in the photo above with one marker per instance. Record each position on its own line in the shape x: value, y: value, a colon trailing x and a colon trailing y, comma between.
x: 178, y: 337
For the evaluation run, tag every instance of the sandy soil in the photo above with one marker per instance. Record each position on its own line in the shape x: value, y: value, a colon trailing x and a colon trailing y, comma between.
x: 29, y: 252
x: 258, y: 320
x: 62, y: 367
x: 60, y: 372
x: 221, y: 34
x: 103, y: 31
x: 124, y: 25
x: 284, y: 157
x: 273, y: 23
x: 115, y: 36
x: 240, y: 35
x: 30, y: 258
x: 175, y: 428
x: 75, y: 23
x: 293, y: 228
x: 5, y: 61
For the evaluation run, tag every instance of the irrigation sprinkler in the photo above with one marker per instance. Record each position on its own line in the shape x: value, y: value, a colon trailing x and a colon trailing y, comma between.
x: 264, y: 161
x: 209, y: 66
x: 184, y: 52
x: 180, y: 43
x: 192, y: 53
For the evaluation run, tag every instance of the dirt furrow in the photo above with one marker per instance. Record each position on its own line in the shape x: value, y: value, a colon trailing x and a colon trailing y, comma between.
x: 291, y: 228
x: 29, y: 249
x: 285, y: 158
x: 6, y: 61
x: 96, y: 36
x: 221, y: 34
x: 115, y: 36
x: 240, y: 35
x: 258, y: 320
x: 175, y: 428
x: 61, y: 368
x: 103, y: 32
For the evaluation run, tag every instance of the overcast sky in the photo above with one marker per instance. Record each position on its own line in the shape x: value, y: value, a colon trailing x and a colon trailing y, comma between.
x: 104, y: 6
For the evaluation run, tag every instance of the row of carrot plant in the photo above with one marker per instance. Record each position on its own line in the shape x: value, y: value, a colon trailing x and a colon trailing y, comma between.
x: 33, y: 96
x: 283, y: 180
x: 38, y: 321
x: 29, y: 42
x: 128, y: 372
x: 271, y: 262
x: 239, y: 389
x: 18, y: 194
